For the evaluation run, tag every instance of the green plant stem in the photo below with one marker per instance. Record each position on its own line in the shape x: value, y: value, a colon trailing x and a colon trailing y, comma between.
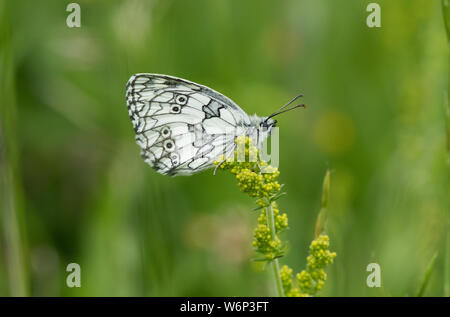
x: 276, y: 272
x: 275, y: 264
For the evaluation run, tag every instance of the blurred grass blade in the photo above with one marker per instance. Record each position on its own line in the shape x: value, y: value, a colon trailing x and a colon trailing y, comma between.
x: 426, y: 276
x: 446, y: 13
x: 447, y: 243
x: 323, y: 213
x: 11, y: 214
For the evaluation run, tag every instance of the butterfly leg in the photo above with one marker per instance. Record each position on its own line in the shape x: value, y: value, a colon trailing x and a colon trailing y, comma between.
x: 230, y: 153
x: 257, y: 161
x: 259, y: 166
x: 215, y: 170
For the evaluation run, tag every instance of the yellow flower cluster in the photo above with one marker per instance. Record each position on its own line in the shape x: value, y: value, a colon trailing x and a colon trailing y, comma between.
x: 311, y: 280
x: 281, y: 220
x: 265, y: 244
x: 258, y: 179
x: 249, y: 182
x: 248, y: 173
x: 320, y: 254
x: 286, y: 278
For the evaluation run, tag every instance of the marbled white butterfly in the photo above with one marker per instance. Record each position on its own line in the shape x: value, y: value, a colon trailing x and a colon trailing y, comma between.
x: 183, y: 127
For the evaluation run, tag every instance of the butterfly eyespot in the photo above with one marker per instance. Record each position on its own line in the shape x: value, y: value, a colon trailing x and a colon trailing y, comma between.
x: 181, y: 99
x: 169, y: 145
x: 165, y: 132
x: 174, y: 157
x: 176, y: 109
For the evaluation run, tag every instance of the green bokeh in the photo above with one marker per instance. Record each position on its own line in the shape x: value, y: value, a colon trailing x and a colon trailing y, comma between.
x: 82, y: 194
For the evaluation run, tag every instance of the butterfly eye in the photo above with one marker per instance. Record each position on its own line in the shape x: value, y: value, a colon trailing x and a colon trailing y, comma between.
x: 169, y: 146
x: 181, y: 100
x: 176, y: 109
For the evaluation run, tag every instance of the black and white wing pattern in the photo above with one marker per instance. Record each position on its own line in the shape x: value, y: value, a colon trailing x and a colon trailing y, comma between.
x: 181, y: 126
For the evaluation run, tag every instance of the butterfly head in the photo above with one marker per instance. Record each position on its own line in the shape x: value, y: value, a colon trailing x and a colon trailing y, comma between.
x: 265, y: 127
x: 267, y: 123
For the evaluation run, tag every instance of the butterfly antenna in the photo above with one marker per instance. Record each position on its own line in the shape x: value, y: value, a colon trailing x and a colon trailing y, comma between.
x: 279, y: 111
x: 294, y: 99
x: 286, y: 110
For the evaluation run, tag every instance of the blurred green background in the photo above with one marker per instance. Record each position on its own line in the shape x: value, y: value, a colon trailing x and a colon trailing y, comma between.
x: 74, y: 188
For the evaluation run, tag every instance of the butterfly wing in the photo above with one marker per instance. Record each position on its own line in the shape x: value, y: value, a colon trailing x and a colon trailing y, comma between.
x: 181, y: 126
